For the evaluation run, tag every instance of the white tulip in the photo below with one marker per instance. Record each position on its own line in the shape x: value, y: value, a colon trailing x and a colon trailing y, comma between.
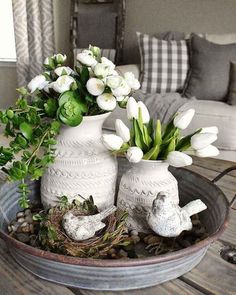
x: 131, y: 80
x: 132, y: 108
x: 60, y: 58
x: 212, y: 129
x: 38, y: 82
x: 209, y: 151
x: 122, y: 90
x: 112, y: 142
x: 183, y: 119
x: 144, y: 112
x: 62, y: 84
x: 63, y: 71
x: 134, y: 154
x: 86, y: 59
x: 202, y: 140
x: 106, y: 102
x: 122, y: 130
x: 46, y: 61
x: 101, y: 70
x: 178, y: 159
x: 113, y: 81
x: 95, y: 86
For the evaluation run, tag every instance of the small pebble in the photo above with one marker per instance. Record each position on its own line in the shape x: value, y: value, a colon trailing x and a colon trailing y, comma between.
x: 135, y: 239
x: 123, y: 253
x: 20, y: 214
x: 23, y: 237
x: 27, y: 212
x: 153, y: 240
x: 31, y: 226
x: 24, y: 224
x: 25, y: 229
x: 14, y: 228
x: 29, y: 219
x: 145, y: 239
x: 9, y: 228
x: 134, y: 232
x: 20, y: 220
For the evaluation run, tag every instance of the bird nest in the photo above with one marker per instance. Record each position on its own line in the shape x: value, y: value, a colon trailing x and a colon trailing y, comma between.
x: 52, y: 236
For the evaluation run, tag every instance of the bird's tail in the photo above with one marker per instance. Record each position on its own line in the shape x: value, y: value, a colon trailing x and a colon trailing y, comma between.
x: 106, y: 212
x: 194, y: 207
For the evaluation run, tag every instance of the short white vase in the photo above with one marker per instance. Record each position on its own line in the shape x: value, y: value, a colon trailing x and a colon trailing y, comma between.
x: 138, y: 188
x: 82, y: 166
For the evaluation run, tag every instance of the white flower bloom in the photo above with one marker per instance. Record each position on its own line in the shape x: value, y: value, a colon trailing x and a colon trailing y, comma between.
x: 101, y: 70
x: 134, y: 154
x: 38, y: 82
x: 131, y: 80
x: 202, y: 140
x: 95, y: 86
x: 108, y: 63
x: 62, y: 84
x: 112, y: 142
x: 47, y: 87
x: 212, y: 129
x: 179, y: 159
x: 46, y: 61
x: 60, y: 58
x: 122, y: 130
x: 113, y: 81
x: 86, y: 59
x: 183, y: 119
x: 122, y: 90
x: 132, y: 108
x: 63, y: 71
x: 209, y: 151
x: 96, y: 51
x: 144, y: 112
x: 106, y: 102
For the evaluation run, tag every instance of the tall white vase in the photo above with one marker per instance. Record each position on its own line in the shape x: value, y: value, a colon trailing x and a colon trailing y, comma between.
x: 138, y: 188
x: 82, y: 165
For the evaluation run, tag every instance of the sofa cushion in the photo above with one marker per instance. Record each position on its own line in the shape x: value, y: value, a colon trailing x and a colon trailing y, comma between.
x: 214, y: 113
x: 210, y: 65
x: 231, y: 99
x: 164, y: 64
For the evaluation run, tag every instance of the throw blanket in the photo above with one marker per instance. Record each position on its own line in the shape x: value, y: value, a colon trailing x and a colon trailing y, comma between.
x: 162, y: 106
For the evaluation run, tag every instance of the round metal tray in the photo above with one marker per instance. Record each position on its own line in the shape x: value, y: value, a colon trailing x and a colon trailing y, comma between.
x: 98, y: 274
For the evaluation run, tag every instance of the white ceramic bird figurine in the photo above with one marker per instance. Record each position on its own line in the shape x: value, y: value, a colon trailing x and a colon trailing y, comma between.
x: 81, y: 228
x: 168, y: 219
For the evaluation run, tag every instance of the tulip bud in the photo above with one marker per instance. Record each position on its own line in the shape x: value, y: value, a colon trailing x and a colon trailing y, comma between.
x: 122, y: 130
x: 131, y: 80
x: 144, y: 112
x: 212, y: 129
x: 182, y: 120
x: 132, y: 108
x: 106, y: 102
x: 112, y: 142
x: 60, y: 58
x: 179, y: 159
x: 95, y: 50
x: 202, y: 140
x: 134, y: 154
x: 95, y: 86
x: 209, y: 151
x: 38, y: 82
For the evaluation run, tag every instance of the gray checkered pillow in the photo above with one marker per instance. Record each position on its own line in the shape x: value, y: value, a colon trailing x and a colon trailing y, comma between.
x: 164, y: 64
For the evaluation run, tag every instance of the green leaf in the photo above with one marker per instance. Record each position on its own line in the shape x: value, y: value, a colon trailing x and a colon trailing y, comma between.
x: 51, y: 107
x: 152, y: 154
x: 185, y: 142
x: 157, y: 136
x: 55, y: 126
x: 26, y: 129
x: 84, y: 75
x: 138, y: 136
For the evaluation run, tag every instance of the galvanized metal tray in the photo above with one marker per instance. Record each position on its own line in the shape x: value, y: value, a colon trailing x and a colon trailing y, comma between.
x: 98, y: 274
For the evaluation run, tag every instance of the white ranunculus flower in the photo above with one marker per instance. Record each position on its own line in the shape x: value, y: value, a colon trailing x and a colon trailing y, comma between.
x: 179, y: 159
x: 122, y: 90
x: 144, y: 112
x: 113, y: 81
x: 122, y: 130
x: 108, y: 63
x: 95, y: 86
x: 63, y: 71
x: 101, y: 70
x: 132, y: 109
x: 183, y: 119
x: 38, y: 82
x: 131, y: 80
x: 202, y: 140
x: 134, y: 154
x: 60, y: 58
x: 106, y: 102
x: 47, y: 87
x: 112, y: 142
x: 209, y: 151
x: 62, y: 84
x: 212, y: 129
x: 86, y: 59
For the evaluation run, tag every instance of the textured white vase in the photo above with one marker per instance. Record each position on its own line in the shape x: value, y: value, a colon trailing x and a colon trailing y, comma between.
x: 138, y: 188
x: 82, y: 165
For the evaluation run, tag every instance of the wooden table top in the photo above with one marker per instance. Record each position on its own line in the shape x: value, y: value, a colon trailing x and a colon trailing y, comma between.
x: 212, y: 276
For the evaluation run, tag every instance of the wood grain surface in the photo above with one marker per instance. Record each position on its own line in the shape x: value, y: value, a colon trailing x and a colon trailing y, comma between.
x: 212, y: 276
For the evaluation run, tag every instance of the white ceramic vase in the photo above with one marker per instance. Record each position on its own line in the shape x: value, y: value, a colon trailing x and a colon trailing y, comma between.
x: 138, y: 188
x: 82, y: 166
